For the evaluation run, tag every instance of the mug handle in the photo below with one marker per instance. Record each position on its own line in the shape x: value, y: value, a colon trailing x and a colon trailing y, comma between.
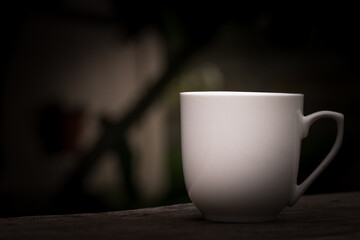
x: 306, y: 122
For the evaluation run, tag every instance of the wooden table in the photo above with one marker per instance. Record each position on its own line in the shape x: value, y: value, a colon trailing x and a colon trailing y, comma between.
x: 331, y: 216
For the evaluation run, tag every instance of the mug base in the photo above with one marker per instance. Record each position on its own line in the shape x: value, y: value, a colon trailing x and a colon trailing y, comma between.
x: 238, y: 219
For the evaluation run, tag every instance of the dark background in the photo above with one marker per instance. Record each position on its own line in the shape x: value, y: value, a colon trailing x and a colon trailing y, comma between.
x: 311, y: 49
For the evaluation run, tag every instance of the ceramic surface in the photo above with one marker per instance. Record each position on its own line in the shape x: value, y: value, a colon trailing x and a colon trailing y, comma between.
x: 240, y: 152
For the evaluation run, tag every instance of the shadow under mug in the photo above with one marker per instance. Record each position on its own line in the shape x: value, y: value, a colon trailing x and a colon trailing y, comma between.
x: 240, y: 152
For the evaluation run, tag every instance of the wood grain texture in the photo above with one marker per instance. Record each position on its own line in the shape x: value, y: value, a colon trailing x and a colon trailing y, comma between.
x: 330, y: 216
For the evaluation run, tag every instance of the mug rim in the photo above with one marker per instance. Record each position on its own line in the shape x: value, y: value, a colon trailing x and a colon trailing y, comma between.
x: 239, y: 93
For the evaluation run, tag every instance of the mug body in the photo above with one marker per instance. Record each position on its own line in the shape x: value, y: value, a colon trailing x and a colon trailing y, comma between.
x: 240, y: 152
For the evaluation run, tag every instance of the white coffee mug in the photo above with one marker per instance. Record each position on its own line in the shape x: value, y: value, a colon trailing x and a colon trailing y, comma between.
x: 240, y: 152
